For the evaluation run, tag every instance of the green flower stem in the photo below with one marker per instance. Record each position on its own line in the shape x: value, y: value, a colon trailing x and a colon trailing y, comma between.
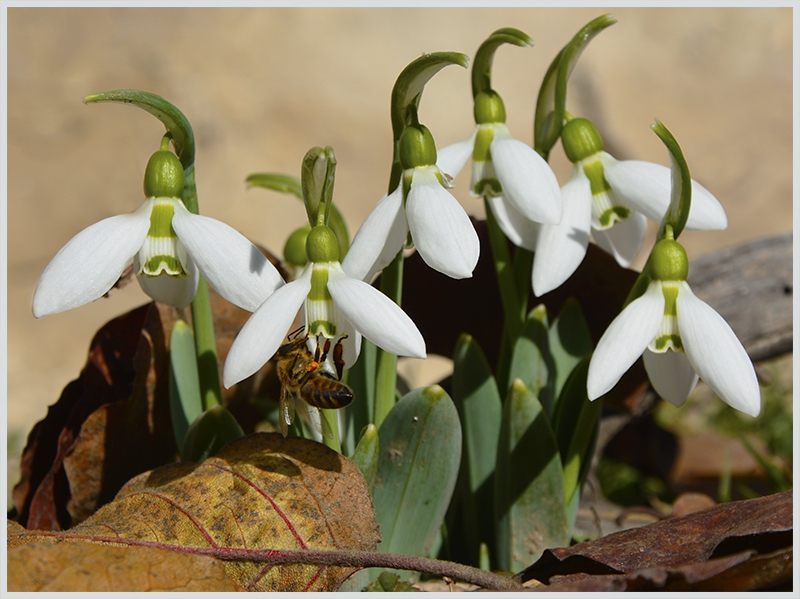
x: 202, y: 319
x: 386, y: 378
x: 509, y: 295
x: 332, y: 417
x: 206, y: 346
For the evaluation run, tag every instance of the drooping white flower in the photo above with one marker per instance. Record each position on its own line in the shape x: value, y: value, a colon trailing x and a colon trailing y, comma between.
x: 168, y: 245
x: 610, y: 199
x: 681, y: 337
x: 335, y: 305
x: 440, y: 228
x: 503, y: 167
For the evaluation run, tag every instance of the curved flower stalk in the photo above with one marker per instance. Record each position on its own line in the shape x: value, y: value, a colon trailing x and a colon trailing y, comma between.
x: 680, y: 336
x: 611, y: 199
x: 509, y: 173
x: 168, y: 245
x: 440, y: 228
x: 334, y: 306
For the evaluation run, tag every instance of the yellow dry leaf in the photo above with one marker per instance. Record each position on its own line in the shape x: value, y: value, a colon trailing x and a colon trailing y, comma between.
x: 106, y: 568
x: 260, y: 492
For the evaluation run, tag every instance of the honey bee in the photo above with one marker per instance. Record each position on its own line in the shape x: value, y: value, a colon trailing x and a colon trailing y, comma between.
x: 303, y: 376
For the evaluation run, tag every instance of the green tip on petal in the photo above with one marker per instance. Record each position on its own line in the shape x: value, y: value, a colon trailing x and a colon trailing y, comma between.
x: 163, y: 177
x: 417, y: 147
x: 668, y: 261
x: 489, y: 108
x: 581, y: 139
x: 322, y: 245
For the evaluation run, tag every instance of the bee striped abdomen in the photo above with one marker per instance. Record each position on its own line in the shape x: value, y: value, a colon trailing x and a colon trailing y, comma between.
x: 324, y: 391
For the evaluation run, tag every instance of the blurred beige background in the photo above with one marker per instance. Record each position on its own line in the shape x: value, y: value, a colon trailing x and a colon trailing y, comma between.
x: 262, y: 86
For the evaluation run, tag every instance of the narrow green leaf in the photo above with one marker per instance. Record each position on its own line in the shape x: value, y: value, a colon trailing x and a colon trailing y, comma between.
x: 530, y: 512
x: 552, y: 98
x: 361, y: 380
x: 569, y: 340
x: 480, y: 407
x: 208, y: 433
x: 575, y: 422
x: 366, y: 455
x: 276, y: 182
x: 531, y: 361
x: 185, y: 402
x: 420, y: 452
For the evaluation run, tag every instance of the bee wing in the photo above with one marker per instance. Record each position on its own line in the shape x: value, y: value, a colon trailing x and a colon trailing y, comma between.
x: 286, y: 415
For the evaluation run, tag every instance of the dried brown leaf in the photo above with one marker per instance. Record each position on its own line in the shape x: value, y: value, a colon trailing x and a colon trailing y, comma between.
x: 260, y: 492
x: 705, y: 549
x: 113, y: 422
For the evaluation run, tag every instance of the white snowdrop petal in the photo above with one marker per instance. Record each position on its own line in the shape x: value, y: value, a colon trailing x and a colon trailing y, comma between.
x: 233, y: 266
x: 91, y: 262
x: 561, y: 248
x: 624, y: 240
x: 265, y: 330
x: 174, y: 291
x: 625, y: 340
x: 521, y: 231
x: 527, y: 180
x: 451, y: 159
x: 379, y: 239
x: 375, y: 316
x: 671, y: 375
x: 443, y: 233
x: 716, y: 354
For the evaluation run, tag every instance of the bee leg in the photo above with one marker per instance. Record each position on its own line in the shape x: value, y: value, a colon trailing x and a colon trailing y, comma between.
x: 338, y: 360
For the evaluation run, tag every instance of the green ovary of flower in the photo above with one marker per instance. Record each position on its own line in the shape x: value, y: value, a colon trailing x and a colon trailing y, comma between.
x: 322, y: 245
x: 163, y: 176
x: 581, y: 139
x: 489, y: 108
x: 417, y: 147
x: 668, y: 261
x: 160, y: 253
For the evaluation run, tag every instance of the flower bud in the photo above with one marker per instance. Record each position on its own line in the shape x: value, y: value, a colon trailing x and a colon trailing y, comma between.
x: 668, y: 261
x: 489, y: 108
x: 294, y: 252
x: 580, y: 139
x: 417, y: 147
x: 322, y: 245
x: 163, y: 177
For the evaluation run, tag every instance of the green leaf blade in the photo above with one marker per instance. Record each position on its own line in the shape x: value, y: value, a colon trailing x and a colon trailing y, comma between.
x: 530, y: 510
x: 420, y: 452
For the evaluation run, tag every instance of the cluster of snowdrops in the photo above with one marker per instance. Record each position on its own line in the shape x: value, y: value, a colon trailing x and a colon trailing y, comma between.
x: 175, y: 250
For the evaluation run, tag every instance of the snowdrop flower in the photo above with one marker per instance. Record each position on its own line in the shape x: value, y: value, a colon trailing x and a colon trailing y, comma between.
x: 334, y: 305
x: 610, y: 198
x: 680, y: 336
x: 440, y: 228
x: 510, y: 173
x: 167, y: 243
